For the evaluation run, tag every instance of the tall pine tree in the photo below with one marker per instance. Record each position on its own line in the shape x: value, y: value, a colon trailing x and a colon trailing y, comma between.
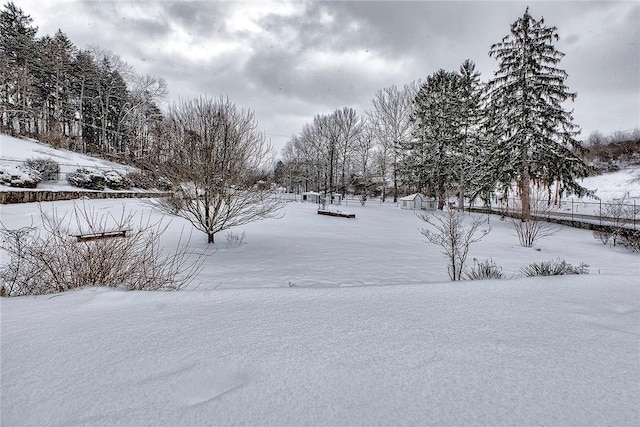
x: 535, y: 136
x: 18, y: 51
x: 431, y: 164
x: 470, y: 109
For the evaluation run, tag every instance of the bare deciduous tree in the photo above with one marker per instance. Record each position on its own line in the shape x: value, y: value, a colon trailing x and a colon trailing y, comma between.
x: 449, y: 231
x: 363, y: 162
x: 391, y: 114
x: 213, y: 153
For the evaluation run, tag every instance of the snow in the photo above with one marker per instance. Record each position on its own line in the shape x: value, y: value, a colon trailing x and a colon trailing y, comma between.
x: 14, y: 151
x: 553, y: 351
x: 614, y: 185
x: 318, y: 320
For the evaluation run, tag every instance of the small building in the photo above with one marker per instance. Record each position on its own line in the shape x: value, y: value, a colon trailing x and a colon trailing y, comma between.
x: 418, y: 201
x: 311, y: 197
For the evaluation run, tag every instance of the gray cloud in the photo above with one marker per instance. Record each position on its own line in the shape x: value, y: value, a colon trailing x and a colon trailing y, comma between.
x: 291, y: 61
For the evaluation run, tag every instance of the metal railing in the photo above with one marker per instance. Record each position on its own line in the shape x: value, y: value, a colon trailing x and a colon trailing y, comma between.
x: 620, y: 214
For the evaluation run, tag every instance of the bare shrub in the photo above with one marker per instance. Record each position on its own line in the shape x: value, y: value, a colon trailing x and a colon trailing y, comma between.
x: 50, y: 259
x: 483, y: 270
x: 617, y: 214
x: 537, y: 225
x: 602, y: 236
x: 448, y: 230
x: 234, y: 240
x: 554, y: 267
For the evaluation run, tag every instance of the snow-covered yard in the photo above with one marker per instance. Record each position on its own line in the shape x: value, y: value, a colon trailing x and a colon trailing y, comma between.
x: 319, y: 320
x: 316, y: 320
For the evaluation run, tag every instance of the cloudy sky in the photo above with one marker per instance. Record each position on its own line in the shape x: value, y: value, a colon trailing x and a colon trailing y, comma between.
x: 291, y: 60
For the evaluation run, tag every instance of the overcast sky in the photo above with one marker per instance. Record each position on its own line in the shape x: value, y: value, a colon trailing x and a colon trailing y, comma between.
x: 291, y: 60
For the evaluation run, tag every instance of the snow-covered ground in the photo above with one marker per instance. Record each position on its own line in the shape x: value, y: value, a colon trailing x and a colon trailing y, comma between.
x: 319, y: 320
x: 613, y: 185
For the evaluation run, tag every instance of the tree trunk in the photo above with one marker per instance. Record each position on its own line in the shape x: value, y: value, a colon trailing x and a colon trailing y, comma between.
x: 525, y: 195
x: 210, y: 238
x: 441, y: 199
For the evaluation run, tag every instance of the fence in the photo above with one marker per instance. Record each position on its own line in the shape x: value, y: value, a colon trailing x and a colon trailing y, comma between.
x: 624, y: 214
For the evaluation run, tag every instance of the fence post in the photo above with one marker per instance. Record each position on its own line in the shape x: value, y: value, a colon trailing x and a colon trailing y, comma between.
x: 572, y: 209
x: 600, y: 212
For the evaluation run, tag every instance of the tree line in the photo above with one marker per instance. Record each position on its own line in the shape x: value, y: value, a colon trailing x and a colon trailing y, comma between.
x: 87, y: 100
x: 449, y: 134
x: 453, y: 133
x: 208, y: 152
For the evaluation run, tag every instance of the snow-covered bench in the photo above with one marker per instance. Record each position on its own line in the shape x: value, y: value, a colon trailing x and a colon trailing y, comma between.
x: 100, y: 235
x: 336, y: 213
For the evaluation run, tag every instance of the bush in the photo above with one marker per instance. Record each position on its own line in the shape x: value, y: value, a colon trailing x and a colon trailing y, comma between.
x: 630, y: 239
x: 48, y: 168
x: 47, y: 259
x: 91, y: 179
x: 19, y: 176
x: 234, y: 240
x: 116, y: 181
x: 144, y: 180
x: 555, y: 267
x: 449, y: 231
x: 483, y: 270
x: 164, y: 184
x: 602, y: 236
x: 148, y: 180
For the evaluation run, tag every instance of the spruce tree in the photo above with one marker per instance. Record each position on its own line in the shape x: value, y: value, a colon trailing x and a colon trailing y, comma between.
x: 470, y: 109
x: 431, y: 165
x: 534, y: 135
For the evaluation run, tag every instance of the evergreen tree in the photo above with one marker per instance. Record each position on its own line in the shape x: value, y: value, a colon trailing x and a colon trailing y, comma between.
x: 431, y: 164
x: 470, y: 109
x: 534, y: 136
x: 19, y: 55
x: 53, y: 81
x: 85, y: 75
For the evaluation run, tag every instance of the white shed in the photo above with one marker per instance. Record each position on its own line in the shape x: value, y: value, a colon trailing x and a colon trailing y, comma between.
x: 311, y: 196
x: 314, y: 197
x: 418, y: 201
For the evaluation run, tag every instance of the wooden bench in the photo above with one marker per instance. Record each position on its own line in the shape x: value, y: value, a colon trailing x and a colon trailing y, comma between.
x: 100, y: 235
x: 340, y: 214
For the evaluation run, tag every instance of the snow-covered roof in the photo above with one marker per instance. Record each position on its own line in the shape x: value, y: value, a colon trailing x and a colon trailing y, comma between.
x: 411, y: 196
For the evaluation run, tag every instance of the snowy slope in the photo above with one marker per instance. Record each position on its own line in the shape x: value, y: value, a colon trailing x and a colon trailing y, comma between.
x: 14, y: 151
x: 616, y: 184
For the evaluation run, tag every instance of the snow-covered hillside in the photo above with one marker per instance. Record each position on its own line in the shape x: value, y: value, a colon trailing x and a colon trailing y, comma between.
x: 317, y: 320
x: 14, y: 151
